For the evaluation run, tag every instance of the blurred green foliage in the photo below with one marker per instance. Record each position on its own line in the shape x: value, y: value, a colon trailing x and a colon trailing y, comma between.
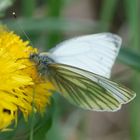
x: 4, y: 5
x: 46, y: 26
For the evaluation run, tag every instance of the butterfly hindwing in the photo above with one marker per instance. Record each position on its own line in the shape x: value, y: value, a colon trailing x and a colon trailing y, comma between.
x: 88, y: 90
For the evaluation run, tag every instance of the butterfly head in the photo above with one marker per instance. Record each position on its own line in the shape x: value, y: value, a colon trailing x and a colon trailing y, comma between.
x: 40, y: 58
x: 34, y: 57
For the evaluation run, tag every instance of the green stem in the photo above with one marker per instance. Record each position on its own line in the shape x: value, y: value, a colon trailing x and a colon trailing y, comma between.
x: 54, y: 11
x: 107, y: 13
x: 132, y: 10
x: 32, y: 118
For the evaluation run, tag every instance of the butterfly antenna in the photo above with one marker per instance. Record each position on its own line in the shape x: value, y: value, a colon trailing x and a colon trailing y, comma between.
x: 14, y: 15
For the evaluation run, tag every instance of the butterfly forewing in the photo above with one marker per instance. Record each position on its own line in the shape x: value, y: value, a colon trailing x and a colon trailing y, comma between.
x: 88, y: 90
x: 95, y: 53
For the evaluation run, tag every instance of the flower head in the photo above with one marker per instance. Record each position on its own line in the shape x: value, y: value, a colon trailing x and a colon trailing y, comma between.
x: 20, y: 85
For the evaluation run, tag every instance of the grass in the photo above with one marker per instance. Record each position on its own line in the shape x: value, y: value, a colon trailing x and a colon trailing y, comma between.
x: 132, y: 13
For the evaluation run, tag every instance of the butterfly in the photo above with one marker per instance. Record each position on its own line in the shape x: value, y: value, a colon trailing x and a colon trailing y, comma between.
x: 80, y: 69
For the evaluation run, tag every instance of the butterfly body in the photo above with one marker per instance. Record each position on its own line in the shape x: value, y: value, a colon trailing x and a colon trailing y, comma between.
x: 80, y: 69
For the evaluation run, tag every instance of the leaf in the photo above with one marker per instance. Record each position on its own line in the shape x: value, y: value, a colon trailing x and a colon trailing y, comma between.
x: 51, y: 24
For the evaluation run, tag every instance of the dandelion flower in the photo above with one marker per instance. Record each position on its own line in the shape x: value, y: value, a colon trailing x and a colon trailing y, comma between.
x: 20, y: 85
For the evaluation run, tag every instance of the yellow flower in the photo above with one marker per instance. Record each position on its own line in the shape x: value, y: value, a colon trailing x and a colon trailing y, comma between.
x: 20, y: 85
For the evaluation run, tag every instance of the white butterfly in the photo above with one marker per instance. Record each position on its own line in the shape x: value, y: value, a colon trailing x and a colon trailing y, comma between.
x: 79, y: 69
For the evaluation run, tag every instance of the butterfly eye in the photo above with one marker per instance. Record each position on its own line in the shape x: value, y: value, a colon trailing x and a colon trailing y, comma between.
x: 34, y: 57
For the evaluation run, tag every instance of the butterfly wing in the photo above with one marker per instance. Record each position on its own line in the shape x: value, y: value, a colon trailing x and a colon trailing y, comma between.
x: 88, y: 90
x: 95, y: 53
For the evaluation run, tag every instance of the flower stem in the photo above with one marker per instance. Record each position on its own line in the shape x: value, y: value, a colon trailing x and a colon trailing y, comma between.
x: 32, y: 118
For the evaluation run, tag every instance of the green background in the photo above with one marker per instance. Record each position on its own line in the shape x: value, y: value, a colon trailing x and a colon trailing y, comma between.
x: 48, y: 22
